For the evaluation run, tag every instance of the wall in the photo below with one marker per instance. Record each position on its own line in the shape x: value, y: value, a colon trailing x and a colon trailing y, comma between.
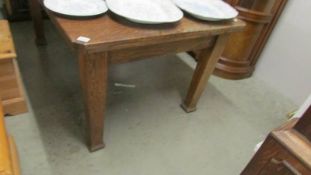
x: 285, y: 63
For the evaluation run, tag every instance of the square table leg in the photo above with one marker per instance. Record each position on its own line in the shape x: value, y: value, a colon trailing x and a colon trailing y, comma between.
x: 36, y: 14
x: 208, y: 59
x: 93, y: 75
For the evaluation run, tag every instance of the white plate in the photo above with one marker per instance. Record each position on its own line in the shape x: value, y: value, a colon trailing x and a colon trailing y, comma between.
x: 211, y: 10
x: 146, y: 11
x: 79, y: 8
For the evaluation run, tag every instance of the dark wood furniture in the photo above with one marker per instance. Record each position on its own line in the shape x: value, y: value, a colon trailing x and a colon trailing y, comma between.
x: 114, y: 40
x: 286, y: 151
x: 11, y: 87
x: 244, y: 48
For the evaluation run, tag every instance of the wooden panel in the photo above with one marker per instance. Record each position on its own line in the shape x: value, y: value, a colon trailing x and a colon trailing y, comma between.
x: 5, y: 163
x: 278, y: 167
x: 15, y: 106
x: 296, y: 144
x: 130, y: 54
x: 6, y: 67
x: 14, y: 157
x: 276, y: 158
x: 244, y: 48
x: 11, y: 88
x: 289, y: 164
x: 9, y: 163
x: 10, y: 93
x: 7, y: 45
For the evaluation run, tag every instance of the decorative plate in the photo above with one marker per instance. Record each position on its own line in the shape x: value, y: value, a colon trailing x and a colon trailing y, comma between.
x: 146, y: 11
x: 210, y: 10
x: 78, y: 8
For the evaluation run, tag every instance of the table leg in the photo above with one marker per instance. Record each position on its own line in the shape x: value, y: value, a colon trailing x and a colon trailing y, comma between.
x: 208, y: 59
x: 93, y: 75
x: 36, y: 14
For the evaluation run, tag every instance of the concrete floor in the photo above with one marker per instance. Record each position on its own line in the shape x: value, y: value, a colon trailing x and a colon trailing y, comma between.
x: 146, y: 133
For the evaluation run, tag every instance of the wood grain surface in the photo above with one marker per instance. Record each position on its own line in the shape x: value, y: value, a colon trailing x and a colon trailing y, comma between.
x: 115, y: 40
x: 11, y: 87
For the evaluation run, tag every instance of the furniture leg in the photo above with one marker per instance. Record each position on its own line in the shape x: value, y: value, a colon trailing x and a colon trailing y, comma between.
x: 207, y: 61
x: 36, y: 14
x: 93, y: 75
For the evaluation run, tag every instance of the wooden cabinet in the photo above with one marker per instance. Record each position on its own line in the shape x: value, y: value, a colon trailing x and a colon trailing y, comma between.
x: 11, y: 89
x: 286, y: 151
x: 243, y: 49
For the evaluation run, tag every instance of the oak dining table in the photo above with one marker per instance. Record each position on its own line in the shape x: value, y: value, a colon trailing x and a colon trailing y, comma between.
x: 115, y: 40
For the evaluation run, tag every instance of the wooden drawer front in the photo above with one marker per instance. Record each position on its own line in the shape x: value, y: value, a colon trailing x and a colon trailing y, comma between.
x: 291, y: 163
x: 9, y: 88
x: 273, y: 159
x: 6, y: 42
x: 6, y: 67
x: 8, y: 81
x: 284, y: 164
x: 275, y: 167
x: 11, y: 92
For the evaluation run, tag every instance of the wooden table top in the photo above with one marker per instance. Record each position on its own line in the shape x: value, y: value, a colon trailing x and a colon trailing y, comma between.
x: 112, y: 32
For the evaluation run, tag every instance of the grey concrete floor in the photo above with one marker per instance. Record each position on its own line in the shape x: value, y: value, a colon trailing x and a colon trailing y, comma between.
x: 146, y: 132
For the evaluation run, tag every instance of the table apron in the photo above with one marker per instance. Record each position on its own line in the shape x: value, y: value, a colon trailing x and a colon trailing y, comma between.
x: 141, y: 52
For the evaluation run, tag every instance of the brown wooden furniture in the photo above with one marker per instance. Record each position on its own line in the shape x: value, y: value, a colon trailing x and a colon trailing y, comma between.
x: 11, y: 89
x: 114, y: 40
x: 244, y: 48
x: 9, y: 163
x: 286, y: 151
